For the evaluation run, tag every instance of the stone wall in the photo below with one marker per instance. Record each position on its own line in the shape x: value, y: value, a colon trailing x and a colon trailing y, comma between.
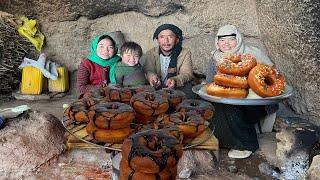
x: 291, y: 32
x: 68, y: 41
x: 69, y: 25
x: 71, y: 10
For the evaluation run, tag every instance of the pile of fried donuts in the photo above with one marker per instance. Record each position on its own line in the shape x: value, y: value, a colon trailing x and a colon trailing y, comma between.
x: 79, y: 109
x: 151, y: 125
x: 148, y: 106
x: 106, y: 111
x: 237, y: 73
x: 150, y: 154
x: 110, y: 121
x: 110, y: 113
x: 154, y: 151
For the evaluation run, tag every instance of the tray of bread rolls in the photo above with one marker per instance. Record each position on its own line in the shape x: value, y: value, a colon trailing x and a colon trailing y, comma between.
x: 251, y: 99
x: 107, y: 117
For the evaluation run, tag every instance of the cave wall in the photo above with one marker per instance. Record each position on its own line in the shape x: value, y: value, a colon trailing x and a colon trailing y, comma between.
x: 291, y: 33
x: 69, y: 25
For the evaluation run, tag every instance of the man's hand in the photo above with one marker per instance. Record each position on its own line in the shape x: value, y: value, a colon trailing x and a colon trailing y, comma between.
x: 170, y: 83
x: 154, y: 81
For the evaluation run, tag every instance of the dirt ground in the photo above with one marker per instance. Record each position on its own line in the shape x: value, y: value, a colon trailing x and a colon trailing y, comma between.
x: 96, y: 163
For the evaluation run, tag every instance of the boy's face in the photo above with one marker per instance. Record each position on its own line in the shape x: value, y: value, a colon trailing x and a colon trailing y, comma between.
x: 167, y: 40
x: 227, y: 43
x: 131, y: 58
x: 105, y: 49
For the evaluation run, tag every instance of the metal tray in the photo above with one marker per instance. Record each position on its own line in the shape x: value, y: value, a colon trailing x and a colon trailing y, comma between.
x: 202, y: 92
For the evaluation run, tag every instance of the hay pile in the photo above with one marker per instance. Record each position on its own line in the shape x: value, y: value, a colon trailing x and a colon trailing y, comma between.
x: 12, y: 50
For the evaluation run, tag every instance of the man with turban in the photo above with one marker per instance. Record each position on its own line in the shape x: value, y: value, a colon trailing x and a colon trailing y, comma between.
x: 169, y: 65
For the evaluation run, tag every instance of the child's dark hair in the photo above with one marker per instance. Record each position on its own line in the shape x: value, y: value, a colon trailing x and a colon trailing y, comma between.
x: 112, y: 41
x: 131, y: 46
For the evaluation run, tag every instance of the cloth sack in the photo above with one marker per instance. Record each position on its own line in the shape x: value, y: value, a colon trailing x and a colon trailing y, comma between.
x: 48, y: 68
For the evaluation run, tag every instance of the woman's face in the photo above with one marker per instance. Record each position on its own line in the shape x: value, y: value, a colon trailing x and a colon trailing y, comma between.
x: 227, y: 43
x: 105, y: 49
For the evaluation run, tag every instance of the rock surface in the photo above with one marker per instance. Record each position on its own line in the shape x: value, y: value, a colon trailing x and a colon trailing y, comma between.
x: 296, y: 137
x: 62, y: 10
x: 195, y: 162
x: 291, y: 32
x: 69, y: 25
x: 295, y: 146
x: 29, y: 142
x: 314, y: 169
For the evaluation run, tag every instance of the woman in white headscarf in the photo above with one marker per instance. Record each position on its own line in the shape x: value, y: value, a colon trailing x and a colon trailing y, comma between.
x: 234, y: 125
x: 223, y: 42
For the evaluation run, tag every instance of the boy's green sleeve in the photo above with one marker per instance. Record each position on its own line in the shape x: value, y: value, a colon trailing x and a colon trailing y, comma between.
x: 119, y: 75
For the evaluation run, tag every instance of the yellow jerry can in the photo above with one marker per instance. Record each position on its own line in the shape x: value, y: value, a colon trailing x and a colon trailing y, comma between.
x: 45, y: 84
x: 32, y: 80
x: 62, y: 83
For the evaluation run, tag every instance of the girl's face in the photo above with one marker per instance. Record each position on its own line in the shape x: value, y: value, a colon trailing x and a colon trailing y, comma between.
x: 105, y: 49
x: 131, y: 58
x: 227, y: 43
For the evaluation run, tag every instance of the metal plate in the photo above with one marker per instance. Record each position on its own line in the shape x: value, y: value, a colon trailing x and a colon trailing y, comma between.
x: 116, y: 166
x: 202, y: 92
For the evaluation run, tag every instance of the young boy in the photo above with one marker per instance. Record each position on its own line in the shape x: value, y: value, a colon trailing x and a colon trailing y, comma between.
x: 129, y: 72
